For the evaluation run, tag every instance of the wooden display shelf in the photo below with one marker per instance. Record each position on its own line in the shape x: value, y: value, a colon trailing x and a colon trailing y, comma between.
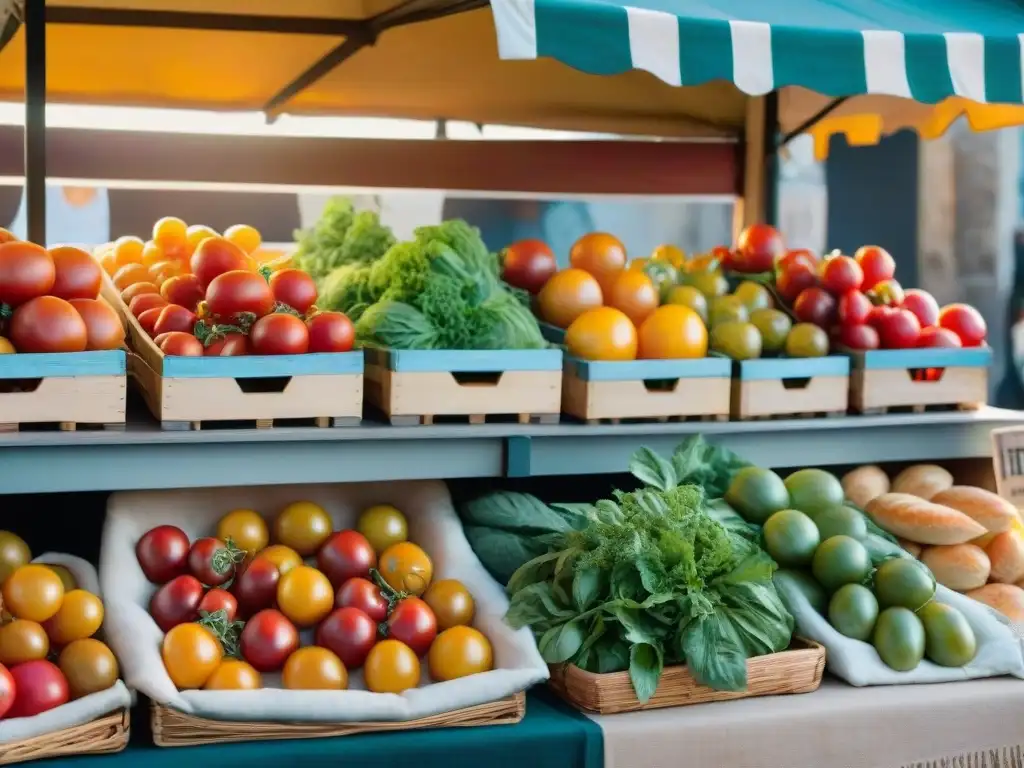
x: 791, y: 386
x: 102, y: 736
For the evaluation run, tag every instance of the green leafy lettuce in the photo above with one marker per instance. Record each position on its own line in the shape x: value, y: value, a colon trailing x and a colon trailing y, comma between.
x: 341, y: 237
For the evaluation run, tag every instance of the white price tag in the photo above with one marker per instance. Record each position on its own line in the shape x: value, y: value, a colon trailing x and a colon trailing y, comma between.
x: 1008, y: 463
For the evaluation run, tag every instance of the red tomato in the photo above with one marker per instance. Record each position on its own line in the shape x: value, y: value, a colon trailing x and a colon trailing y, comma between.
x: 47, y: 324
x: 219, y: 600
x: 414, y: 624
x: 77, y: 275
x: 41, y: 686
x: 799, y: 256
x: 26, y: 272
x: 877, y: 265
x: 815, y: 305
x: 962, y: 319
x: 229, y: 345
x: 174, y: 318
x: 145, y: 302
x: 840, y: 274
x: 162, y: 553
x: 923, y: 305
x: 330, y: 332
x: 854, y: 308
x: 103, y: 329
x: 888, y: 292
x: 294, y: 288
x: 279, y: 334
x: 237, y: 292
x: 214, y: 256
x: 858, y: 337
x: 344, y: 556
x: 349, y: 633
x: 256, y: 586
x: 210, y: 562
x: 183, y: 290
x: 364, y: 595
x: 268, y: 639
x: 528, y: 264
x: 898, y: 329
x: 793, y: 281
x: 176, y: 602
x: 938, y: 337
x: 181, y: 344
x: 757, y: 248
x: 147, y: 318
x: 8, y: 690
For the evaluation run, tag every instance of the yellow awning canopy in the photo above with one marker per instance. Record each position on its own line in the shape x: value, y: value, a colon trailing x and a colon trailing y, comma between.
x: 446, y: 68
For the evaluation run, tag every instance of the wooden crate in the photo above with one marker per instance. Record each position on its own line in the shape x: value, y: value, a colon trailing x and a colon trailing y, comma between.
x: 416, y: 386
x: 919, y: 378
x: 69, y: 389
x: 102, y: 736
x: 172, y: 728
x: 797, y: 670
x: 791, y: 386
x: 658, y: 390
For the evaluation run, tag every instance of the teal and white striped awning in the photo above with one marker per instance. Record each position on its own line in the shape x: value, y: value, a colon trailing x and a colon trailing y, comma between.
x: 924, y: 50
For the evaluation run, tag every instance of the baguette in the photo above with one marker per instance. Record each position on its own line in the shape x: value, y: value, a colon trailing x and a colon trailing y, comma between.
x: 1008, y: 599
x: 995, y: 513
x: 910, y: 517
x: 922, y: 480
x: 958, y: 566
x: 1006, y: 551
x: 863, y: 484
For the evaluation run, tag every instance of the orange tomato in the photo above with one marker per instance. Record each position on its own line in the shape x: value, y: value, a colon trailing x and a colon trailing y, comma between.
x: 567, y: 295
x: 6, y: 236
x: 246, y: 529
x: 109, y: 263
x: 21, y: 641
x: 129, y: 275
x: 406, y: 568
x: 80, y: 616
x: 33, y: 592
x: 245, y: 237
x: 314, y: 669
x: 303, y: 526
x: 673, y: 332
x: 138, y: 289
x: 604, y: 333
x: 171, y: 235
x: 458, y: 652
x: 89, y: 666
x: 234, y: 675
x: 127, y: 250
x: 634, y: 294
x: 284, y: 558
x: 451, y: 603
x: 163, y: 271
x: 194, y: 235
x: 305, y: 595
x: 191, y: 655
x: 600, y: 254
x: 391, y: 667
x: 152, y: 254
x: 669, y: 254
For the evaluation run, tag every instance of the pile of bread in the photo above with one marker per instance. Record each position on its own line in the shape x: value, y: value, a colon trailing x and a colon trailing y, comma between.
x: 970, y: 538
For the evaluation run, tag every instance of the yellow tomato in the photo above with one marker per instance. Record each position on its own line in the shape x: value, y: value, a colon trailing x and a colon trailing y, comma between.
x: 152, y: 254
x: 234, y: 675
x: 245, y: 237
x: 130, y: 274
x: 634, y: 294
x: 314, y: 669
x: 162, y: 271
x: 127, y: 250
x: 6, y: 348
x: 305, y: 595
x: 600, y: 254
x: 284, y: 558
x: 22, y: 641
x: 406, y: 568
x: 109, y: 263
x: 191, y: 655
x: 451, y: 603
x: 458, y: 652
x: 604, y: 333
x: 638, y: 265
x: 670, y: 254
x: 89, y: 667
x: 33, y: 592
x: 567, y: 295
x: 195, y: 235
x: 391, y: 667
x: 303, y: 526
x: 673, y: 332
x: 80, y: 616
x: 66, y: 577
x: 245, y: 528
x: 14, y: 553
x: 383, y: 525
x: 171, y: 234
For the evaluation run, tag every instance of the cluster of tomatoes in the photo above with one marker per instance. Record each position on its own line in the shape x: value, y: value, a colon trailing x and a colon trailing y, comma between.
x: 232, y: 605
x: 49, y: 300
x: 199, y: 293
x: 46, y: 617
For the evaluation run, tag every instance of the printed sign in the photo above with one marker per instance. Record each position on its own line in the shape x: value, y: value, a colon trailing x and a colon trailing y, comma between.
x: 1008, y: 463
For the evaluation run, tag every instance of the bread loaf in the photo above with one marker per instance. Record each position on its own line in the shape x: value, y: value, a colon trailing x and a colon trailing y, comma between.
x: 912, y: 547
x: 958, y: 566
x: 1006, y: 551
x: 910, y: 517
x: 863, y: 484
x: 1008, y: 599
x: 922, y: 480
x: 994, y: 512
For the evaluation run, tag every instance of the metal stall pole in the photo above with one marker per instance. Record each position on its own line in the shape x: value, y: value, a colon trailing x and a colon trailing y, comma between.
x: 35, y: 119
x: 770, y: 195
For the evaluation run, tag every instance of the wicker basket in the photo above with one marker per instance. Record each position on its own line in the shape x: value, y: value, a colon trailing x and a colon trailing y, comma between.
x: 102, y: 736
x: 797, y: 670
x: 172, y: 728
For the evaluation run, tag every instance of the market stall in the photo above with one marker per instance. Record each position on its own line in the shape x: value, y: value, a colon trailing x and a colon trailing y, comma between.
x: 749, y: 76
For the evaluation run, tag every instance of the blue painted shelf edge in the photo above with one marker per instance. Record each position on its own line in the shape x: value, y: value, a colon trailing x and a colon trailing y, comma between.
x: 112, y: 362
x: 930, y: 357
x: 465, y: 360
x: 792, y: 367
x: 263, y: 366
x: 640, y: 370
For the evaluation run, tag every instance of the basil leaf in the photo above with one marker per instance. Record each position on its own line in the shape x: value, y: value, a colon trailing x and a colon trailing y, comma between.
x: 714, y: 654
x: 561, y: 643
x: 586, y: 586
x: 653, y: 470
x: 538, y: 569
x: 645, y: 664
x: 509, y: 511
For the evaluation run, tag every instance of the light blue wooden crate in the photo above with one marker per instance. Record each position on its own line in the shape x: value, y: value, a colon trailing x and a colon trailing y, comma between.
x: 262, y: 366
x: 465, y: 361
x: 646, y: 370
x: 776, y: 368
x: 927, y: 357
x: 63, y: 364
